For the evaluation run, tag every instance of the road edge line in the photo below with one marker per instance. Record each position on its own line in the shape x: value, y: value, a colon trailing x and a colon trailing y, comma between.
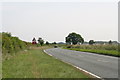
x: 94, y: 75
x: 47, y: 53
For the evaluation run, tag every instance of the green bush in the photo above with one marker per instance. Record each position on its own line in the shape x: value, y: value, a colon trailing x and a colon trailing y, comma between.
x: 11, y: 44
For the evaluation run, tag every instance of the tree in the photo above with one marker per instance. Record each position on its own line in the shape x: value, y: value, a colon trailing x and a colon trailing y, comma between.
x: 54, y: 43
x: 6, y: 34
x: 74, y: 38
x: 34, y: 41
x: 40, y: 41
x: 47, y: 43
x: 91, y: 42
x: 110, y: 42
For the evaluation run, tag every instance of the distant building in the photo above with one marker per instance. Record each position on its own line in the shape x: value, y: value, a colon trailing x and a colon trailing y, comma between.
x: 34, y: 41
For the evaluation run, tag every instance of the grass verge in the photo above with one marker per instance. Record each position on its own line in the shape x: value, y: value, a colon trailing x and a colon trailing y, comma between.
x: 34, y: 63
x: 97, y: 51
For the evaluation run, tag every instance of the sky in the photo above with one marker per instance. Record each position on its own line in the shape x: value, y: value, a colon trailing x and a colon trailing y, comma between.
x: 53, y: 21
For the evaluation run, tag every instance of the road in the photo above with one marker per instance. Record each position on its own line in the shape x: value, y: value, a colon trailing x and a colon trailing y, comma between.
x: 100, y: 65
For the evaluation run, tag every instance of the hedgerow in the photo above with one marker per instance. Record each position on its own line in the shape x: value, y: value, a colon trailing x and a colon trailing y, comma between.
x: 12, y: 44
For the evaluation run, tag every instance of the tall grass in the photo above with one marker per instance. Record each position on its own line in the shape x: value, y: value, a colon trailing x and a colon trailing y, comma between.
x: 34, y: 63
x: 99, y: 46
x: 108, y: 49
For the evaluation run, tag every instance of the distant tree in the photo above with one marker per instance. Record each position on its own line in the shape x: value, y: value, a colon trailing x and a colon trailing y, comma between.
x: 34, y: 41
x: 54, y: 43
x: 47, y: 43
x: 40, y: 41
x: 74, y: 38
x: 8, y: 34
x: 110, y: 42
x: 91, y: 42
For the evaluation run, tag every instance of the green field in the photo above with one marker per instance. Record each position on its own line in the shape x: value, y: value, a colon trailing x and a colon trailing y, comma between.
x: 111, y: 50
x: 34, y: 63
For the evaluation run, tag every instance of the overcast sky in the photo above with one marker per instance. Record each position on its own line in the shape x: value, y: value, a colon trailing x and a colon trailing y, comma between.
x: 53, y: 21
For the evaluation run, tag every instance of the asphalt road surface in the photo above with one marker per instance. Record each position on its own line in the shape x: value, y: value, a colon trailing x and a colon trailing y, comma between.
x: 100, y: 65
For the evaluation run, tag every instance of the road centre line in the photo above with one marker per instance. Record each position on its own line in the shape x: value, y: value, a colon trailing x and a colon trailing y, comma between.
x: 102, y: 60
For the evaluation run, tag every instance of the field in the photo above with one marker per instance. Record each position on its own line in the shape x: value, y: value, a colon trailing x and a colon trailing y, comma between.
x: 34, y: 63
x: 111, y: 50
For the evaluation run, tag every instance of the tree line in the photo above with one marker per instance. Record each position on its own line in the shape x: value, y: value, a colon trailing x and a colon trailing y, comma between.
x: 74, y: 38
x: 41, y: 41
x: 12, y: 44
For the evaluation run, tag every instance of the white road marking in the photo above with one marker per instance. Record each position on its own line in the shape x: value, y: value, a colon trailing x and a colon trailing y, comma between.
x: 47, y: 53
x: 83, y: 70
x: 78, y: 68
x: 87, y: 72
x: 102, y: 60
